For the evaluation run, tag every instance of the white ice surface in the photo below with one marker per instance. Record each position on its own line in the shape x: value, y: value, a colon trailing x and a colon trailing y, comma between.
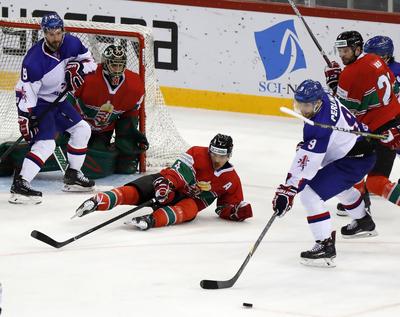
x: 116, y: 271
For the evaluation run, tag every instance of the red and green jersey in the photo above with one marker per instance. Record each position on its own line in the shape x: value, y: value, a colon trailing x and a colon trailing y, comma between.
x: 195, y: 166
x: 366, y: 89
x: 101, y: 105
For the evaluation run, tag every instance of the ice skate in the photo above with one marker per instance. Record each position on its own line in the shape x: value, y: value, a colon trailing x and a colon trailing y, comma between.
x: 322, y: 254
x: 22, y: 193
x: 87, y: 207
x: 143, y: 223
x: 360, y: 228
x: 75, y: 181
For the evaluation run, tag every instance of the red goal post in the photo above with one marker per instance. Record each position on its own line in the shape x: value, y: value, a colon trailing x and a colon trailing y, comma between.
x: 18, y: 35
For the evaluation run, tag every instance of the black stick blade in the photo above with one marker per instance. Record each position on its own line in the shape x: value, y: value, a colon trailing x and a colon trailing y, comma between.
x: 45, y: 238
x: 210, y: 284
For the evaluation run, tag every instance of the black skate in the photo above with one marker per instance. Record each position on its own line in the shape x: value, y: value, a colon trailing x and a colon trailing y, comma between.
x: 87, y: 207
x: 360, y: 228
x: 322, y: 254
x: 143, y: 223
x: 22, y: 193
x: 75, y: 181
x: 341, y: 211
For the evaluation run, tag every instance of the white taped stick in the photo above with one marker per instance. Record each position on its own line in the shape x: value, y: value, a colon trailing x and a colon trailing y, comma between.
x: 327, y: 126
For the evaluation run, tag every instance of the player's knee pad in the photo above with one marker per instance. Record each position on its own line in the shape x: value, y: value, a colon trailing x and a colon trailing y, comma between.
x: 376, y: 184
x: 80, y: 134
x: 189, y: 208
x: 185, y: 210
x: 311, y: 201
x: 43, y: 149
x: 127, y: 195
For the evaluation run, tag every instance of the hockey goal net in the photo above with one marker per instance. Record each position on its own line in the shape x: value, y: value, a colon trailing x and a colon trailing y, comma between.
x: 17, y: 36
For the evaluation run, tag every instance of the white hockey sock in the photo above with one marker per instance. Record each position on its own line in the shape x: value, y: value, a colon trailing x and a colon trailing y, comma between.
x: 318, y: 218
x: 352, y: 201
x: 35, y: 159
x: 77, y: 145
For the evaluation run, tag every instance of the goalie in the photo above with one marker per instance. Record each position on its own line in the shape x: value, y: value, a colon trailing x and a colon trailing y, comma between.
x: 109, y: 100
x: 196, y: 179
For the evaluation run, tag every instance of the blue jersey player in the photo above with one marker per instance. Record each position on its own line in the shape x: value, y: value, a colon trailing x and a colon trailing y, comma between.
x: 57, y: 62
x: 327, y: 164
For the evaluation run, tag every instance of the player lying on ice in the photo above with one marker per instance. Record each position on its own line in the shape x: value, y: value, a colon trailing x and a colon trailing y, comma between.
x: 327, y: 163
x: 194, y: 181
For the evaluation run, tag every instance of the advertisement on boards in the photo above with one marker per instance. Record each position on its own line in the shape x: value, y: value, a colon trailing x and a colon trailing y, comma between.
x: 219, y: 58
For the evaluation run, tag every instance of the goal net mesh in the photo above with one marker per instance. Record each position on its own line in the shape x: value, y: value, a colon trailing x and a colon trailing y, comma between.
x: 17, y: 36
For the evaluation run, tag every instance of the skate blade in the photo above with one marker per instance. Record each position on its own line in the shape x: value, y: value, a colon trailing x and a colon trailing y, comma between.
x: 325, y: 262
x: 77, y: 188
x: 364, y: 234
x: 134, y: 225
x: 18, y: 199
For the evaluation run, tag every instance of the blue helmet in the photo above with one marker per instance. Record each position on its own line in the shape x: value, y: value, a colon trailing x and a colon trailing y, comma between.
x: 379, y: 45
x: 309, y: 91
x: 51, y: 21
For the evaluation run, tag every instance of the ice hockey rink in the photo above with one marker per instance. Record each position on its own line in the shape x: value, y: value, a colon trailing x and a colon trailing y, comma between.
x: 117, y: 271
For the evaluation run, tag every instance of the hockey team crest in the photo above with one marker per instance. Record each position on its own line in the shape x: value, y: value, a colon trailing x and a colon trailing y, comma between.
x: 280, y: 50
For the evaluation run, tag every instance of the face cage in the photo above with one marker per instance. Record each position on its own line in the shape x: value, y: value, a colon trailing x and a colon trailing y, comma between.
x: 109, y: 62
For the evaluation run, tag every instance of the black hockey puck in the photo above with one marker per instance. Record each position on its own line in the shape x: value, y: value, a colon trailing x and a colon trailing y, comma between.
x: 248, y: 305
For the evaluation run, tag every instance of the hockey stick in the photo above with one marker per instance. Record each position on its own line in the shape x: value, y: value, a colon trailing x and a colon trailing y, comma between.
x: 211, y: 284
x: 296, y: 10
x: 39, y: 119
x: 50, y: 241
x: 327, y: 126
x: 60, y: 159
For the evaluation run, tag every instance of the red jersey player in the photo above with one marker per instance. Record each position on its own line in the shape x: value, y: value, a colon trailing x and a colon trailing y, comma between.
x: 365, y: 87
x: 195, y: 180
x: 109, y: 100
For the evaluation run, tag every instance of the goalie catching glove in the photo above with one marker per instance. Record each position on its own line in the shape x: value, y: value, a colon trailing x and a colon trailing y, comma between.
x: 164, y: 190
x: 283, y: 200
x: 27, y: 125
x: 238, y: 212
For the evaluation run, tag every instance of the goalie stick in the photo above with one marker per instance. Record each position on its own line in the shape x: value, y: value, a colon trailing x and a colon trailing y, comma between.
x: 296, y: 10
x: 50, y: 241
x: 39, y: 119
x: 327, y: 126
x: 212, y: 284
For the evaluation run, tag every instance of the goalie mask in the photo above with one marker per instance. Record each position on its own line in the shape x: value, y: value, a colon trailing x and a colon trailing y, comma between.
x: 114, y: 61
x: 308, y: 98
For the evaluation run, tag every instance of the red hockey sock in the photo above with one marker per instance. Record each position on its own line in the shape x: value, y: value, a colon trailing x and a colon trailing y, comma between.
x: 184, y: 210
x: 125, y: 195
